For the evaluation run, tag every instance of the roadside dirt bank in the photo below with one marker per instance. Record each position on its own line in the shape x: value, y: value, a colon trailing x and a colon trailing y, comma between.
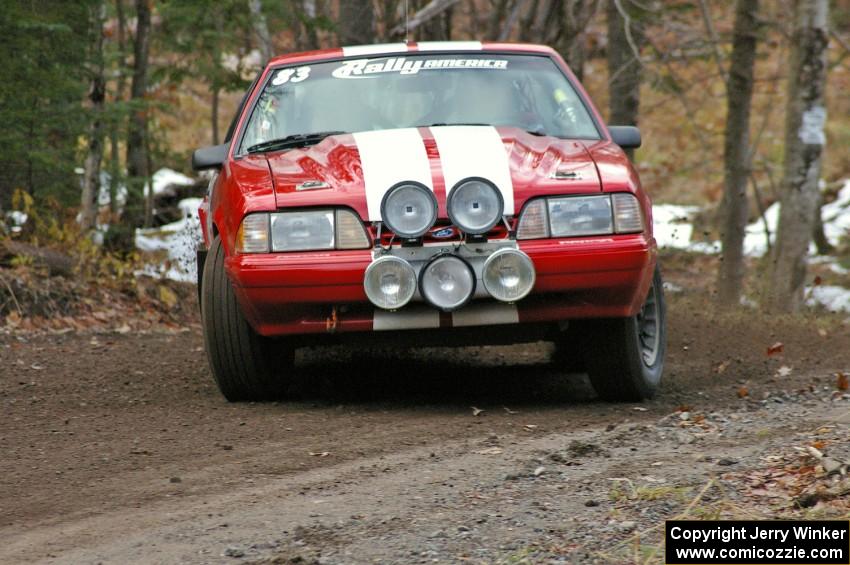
x: 117, y: 448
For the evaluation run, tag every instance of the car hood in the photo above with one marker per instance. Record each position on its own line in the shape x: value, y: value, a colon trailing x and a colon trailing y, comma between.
x: 356, y: 170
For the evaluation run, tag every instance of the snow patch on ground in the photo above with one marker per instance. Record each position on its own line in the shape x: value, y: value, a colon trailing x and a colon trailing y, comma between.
x: 16, y: 220
x: 103, y: 193
x: 672, y: 225
x: 166, y: 177
x: 833, y: 298
x: 673, y: 229
x: 179, y: 239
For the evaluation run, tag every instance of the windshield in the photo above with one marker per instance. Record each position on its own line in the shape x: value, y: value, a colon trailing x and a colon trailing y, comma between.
x: 354, y: 95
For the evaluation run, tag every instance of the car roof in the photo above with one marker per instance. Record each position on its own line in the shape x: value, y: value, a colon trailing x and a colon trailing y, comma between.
x: 411, y: 47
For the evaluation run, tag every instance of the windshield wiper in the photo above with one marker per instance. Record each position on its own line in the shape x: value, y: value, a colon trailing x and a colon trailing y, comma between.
x: 292, y: 141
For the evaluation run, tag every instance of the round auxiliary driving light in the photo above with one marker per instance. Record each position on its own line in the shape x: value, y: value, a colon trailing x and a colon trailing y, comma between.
x: 389, y: 282
x: 409, y: 209
x: 508, y: 275
x: 447, y: 282
x: 475, y: 205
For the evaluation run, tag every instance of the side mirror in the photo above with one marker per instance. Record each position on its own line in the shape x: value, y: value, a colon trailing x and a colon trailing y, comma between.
x: 627, y: 137
x: 209, y: 157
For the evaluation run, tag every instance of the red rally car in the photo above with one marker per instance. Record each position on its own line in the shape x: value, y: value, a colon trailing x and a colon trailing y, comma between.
x: 443, y: 192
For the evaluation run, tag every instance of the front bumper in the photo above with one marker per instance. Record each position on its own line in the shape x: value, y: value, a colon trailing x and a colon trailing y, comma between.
x: 322, y: 292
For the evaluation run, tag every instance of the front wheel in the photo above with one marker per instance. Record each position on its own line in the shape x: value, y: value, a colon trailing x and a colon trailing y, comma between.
x: 625, y: 357
x: 245, y: 365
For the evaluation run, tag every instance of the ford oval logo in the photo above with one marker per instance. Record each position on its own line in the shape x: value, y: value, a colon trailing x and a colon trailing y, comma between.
x: 444, y: 233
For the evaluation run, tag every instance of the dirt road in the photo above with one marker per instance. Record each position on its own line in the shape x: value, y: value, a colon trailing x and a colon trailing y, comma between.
x: 117, y: 448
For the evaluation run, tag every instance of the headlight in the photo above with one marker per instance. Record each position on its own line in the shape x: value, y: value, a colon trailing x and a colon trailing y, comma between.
x: 409, y: 209
x: 568, y: 216
x: 580, y: 215
x: 508, y: 275
x: 389, y: 282
x: 447, y: 282
x: 301, y: 230
x: 475, y: 205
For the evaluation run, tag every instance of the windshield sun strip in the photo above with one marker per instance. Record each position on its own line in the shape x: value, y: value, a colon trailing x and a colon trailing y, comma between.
x: 239, y: 153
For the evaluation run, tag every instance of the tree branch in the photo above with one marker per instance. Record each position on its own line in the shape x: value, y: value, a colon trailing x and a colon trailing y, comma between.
x: 428, y: 12
x: 715, y: 42
x: 627, y: 25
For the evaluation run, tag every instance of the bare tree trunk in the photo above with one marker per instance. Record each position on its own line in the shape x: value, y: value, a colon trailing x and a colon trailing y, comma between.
x: 115, y: 160
x: 576, y: 17
x: 215, y: 83
x: 434, y: 18
x: 822, y: 244
x: 261, y: 29
x: 549, y: 23
x: 526, y: 25
x: 513, y: 18
x: 389, y: 10
x: 356, y: 22
x: 91, y: 174
x: 804, y: 140
x: 149, y: 195
x: 308, y: 36
x: 137, y: 161
x: 497, y: 13
x: 625, y: 36
x: 734, y: 208
x: 214, y: 114
x: 439, y: 26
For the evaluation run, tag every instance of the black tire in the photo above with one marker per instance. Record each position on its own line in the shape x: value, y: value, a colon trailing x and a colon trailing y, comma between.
x: 245, y: 365
x: 624, y: 360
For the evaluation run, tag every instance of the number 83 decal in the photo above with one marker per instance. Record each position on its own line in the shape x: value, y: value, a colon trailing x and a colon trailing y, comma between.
x: 291, y: 75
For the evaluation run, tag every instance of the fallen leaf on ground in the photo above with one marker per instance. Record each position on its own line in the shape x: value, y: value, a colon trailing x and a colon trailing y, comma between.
x: 831, y: 466
x: 508, y: 410
x: 167, y: 296
x: 775, y: 349
x: 841, y: 381
x: 783, y: 371
x: 490, y: 451
x: 743, y: 392
x: 476, y: 411
x: 320, y: 453
x: 720, y: 369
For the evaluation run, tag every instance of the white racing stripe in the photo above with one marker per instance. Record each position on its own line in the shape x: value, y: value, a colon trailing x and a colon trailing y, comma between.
x: 377, y: 49
x: 475, y: 151
x: 449, y: 46
x: 389, y: 157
